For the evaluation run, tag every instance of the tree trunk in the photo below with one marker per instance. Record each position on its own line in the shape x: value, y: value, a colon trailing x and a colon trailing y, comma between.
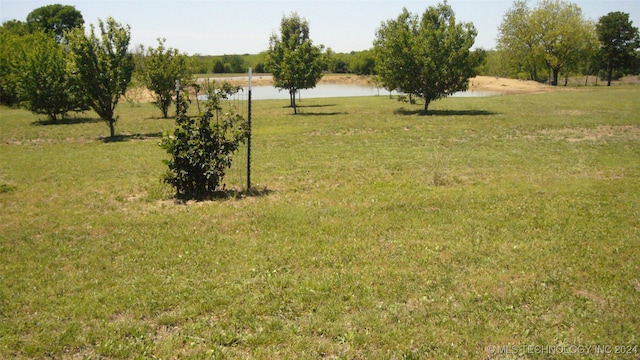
x: 555, y: 76
x: 292, y: 97
x: 112, y: 128
x: 609, y: 75
x: 426, y: 106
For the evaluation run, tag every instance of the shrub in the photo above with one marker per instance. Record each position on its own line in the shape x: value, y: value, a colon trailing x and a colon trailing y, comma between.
x: 201, y: 147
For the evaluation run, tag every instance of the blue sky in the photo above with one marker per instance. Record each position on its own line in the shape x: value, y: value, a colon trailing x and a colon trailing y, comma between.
x: 215, y: 27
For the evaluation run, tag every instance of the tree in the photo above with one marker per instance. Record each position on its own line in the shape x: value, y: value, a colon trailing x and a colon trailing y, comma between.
x: 104, y: 65
x: 429, y: 57
x: 201, y: 148
x: 555, y: 34
x: 563, y: 34
x: 218, y: 67
x: 363, y: 63
x: 159, y: 68
x: 293, y: 59
x: 619, y: 41
x: 393, y: 49
x: 11, y: 46
x: 15, y: 27
x: 516, y: 41
x: 56, y: 19
x: 46, y: 85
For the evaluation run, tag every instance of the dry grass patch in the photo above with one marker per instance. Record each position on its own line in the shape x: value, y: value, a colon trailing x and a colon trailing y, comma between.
x: 599, y: 133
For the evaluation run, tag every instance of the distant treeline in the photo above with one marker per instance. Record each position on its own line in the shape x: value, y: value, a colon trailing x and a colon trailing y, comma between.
x: 355, y: 62
x: 360, y: 62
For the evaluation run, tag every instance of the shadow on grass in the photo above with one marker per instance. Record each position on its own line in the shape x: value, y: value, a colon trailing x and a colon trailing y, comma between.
x: 309, y: 106
x: 129, y: 137
x: 316, y: 105
x: 421, y: 112
x: 67, y: 121
x: 301, y: 113
x: 228, y: 194
x: 301, y: 110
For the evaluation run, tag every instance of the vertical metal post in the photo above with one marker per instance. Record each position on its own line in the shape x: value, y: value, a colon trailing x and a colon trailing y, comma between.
x: 249, y: 137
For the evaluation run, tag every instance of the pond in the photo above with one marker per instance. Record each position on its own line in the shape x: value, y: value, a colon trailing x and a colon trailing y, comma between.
x: 268, y: 92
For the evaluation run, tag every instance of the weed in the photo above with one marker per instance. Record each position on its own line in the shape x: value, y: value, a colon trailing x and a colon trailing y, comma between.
x: 438, y: 167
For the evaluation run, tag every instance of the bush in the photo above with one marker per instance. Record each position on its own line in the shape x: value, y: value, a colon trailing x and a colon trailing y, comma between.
x: 201, y: 147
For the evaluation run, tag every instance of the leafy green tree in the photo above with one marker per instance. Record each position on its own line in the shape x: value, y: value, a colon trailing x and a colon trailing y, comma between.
x: 619, y: 41
x: 159, y: 68
x: 236, y: 63
x: 496, y: 64
x: 46, y: 83
x: 105, y: 66
x: 15, y: 27
x: 393, y: 49
x: 363, y: 63
x: 293, y: 59
x: 429, y: 57
x: 554, y: 35
x: 56, y: 19
x: 218, y: 67
x: 563, y: 34
x: 517, y: 43
x: 201, y: 148
x: 11, y: 48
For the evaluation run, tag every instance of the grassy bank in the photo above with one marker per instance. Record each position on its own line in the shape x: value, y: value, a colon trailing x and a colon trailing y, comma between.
x: 532, y: 236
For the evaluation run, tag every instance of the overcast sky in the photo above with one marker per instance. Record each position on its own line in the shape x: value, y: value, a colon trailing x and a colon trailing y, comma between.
x: 216, y: 27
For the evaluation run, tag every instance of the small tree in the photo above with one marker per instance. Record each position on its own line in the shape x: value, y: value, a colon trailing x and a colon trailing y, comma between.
x: 201, y: 148
x: 619, y: 40
x: 104, y: 65
x: 159, y: 69
x: 47, y: 84
x: 293, y: 59
x: 428, y: 57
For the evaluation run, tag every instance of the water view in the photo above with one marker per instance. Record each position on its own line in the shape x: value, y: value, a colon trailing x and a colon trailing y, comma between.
x: 268, y: 92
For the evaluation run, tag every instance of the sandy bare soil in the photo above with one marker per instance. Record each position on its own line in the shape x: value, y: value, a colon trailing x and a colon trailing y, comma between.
x: 508, y: 86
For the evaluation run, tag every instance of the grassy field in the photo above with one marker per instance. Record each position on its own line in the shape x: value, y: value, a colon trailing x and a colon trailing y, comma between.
x: 377, y: 233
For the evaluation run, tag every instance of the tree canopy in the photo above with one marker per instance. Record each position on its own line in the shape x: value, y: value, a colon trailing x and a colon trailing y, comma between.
x: 429, y: 57
x: 293, y: 59
x: 619, y: 40
x: 55, y: 19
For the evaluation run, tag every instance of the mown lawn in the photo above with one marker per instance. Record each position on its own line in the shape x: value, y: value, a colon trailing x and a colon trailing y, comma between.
x: 349, y: 249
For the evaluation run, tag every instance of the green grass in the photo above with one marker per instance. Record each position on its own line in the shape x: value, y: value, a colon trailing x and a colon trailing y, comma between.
x: 350, y: 250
